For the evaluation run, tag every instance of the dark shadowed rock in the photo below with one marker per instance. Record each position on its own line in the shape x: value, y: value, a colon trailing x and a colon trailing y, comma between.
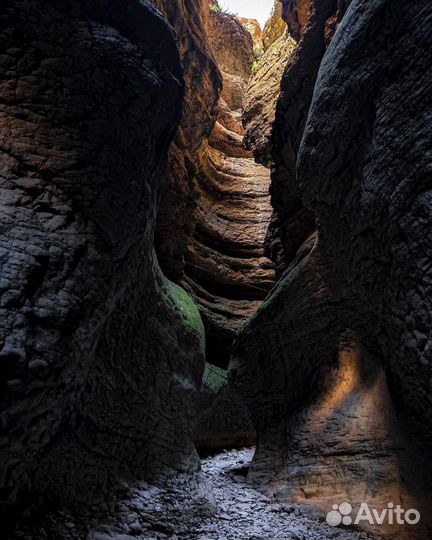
x: 223, y: 421
x: 291, y: 222
x: 100, y: 355
x: 336, y: 365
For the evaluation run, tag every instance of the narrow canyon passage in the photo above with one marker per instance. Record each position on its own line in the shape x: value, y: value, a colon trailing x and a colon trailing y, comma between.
x: 215, y: 270
x: 225, y: 269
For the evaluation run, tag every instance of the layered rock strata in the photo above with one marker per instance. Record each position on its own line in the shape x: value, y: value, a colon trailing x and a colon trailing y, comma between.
x: 225, y: 269
x: 335, y: 366
x: 203, y: 83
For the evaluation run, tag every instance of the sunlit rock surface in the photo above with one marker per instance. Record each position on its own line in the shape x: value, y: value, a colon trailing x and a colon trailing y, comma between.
x: 262, y: 94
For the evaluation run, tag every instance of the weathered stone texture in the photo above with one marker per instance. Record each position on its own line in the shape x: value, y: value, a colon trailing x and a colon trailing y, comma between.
x: 203, y: 82
x: 99, y: 352
x: 261, y: 96
x: 291, y: 222
x: 336, y: 365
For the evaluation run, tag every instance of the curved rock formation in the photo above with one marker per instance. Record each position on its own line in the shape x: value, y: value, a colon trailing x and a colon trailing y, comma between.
x: 100, y: 355
x: 292, y: 223
x: 226, y: 271
x: 203, y: 83
x: 254, y: 29
x: 275, y: 27
x: 263, y: 90
x: 336, y: 365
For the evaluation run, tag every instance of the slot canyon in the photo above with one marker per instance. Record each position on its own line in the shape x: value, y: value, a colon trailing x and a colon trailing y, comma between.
x: 215, y: 268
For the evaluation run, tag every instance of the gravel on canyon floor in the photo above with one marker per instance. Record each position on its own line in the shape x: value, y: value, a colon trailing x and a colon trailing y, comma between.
x: 230, y: 508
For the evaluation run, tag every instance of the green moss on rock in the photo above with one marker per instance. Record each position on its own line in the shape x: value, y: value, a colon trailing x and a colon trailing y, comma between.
x: 182, y: 304
x: 214, y: 378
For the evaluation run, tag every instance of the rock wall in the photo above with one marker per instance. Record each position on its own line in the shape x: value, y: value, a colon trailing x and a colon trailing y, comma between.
x: 335, y: 366
x: 226, y: 271
x: 203, y: 83
x: 254, y: 29
x: 296, y: 14
x: 263, y: 90
x: 275, y: 27
x: 292, y: 223
x: 100, y: 355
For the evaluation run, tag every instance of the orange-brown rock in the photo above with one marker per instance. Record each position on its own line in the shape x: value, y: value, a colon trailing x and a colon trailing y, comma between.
x: 234, y: 87
x: 203, y: 82
x: 275, y: 27
x: 254, y: 29
x: 261, y: 96
x: 226, y: 270
x: 296, y: 14
x: 231, y: 44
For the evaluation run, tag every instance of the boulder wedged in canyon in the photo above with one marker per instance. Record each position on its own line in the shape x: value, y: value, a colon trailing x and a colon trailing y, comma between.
x: 101, y: 356
x: 336, y: 365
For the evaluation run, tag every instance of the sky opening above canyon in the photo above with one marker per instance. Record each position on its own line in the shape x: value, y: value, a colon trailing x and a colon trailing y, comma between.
x: 251, y: 9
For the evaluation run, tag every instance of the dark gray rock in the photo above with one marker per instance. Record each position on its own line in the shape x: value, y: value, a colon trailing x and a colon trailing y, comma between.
x: 292, y: 223
x: 223, y: 421
x: 336, y: 366
x: 100, y: 355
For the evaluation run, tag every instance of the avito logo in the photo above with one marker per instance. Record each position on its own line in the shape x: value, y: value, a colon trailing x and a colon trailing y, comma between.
x: 393, y: 514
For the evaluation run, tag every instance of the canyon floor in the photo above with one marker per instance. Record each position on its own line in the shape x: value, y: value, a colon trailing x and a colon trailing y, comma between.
x: 230, y: 509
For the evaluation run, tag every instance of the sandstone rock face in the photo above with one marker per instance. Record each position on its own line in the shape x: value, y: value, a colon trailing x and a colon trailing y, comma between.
x: 226, y: 271
x: 261, y: 96
x: 336, y: 364
x: 233, y: 49
x: 296, y: 14
x: 254, y: 29
x: 291, y: 222
x: 231, y: 44
x: 275, y: 27
x: 175, y: 221
x: 101, y: 356
x: 215, y: 211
